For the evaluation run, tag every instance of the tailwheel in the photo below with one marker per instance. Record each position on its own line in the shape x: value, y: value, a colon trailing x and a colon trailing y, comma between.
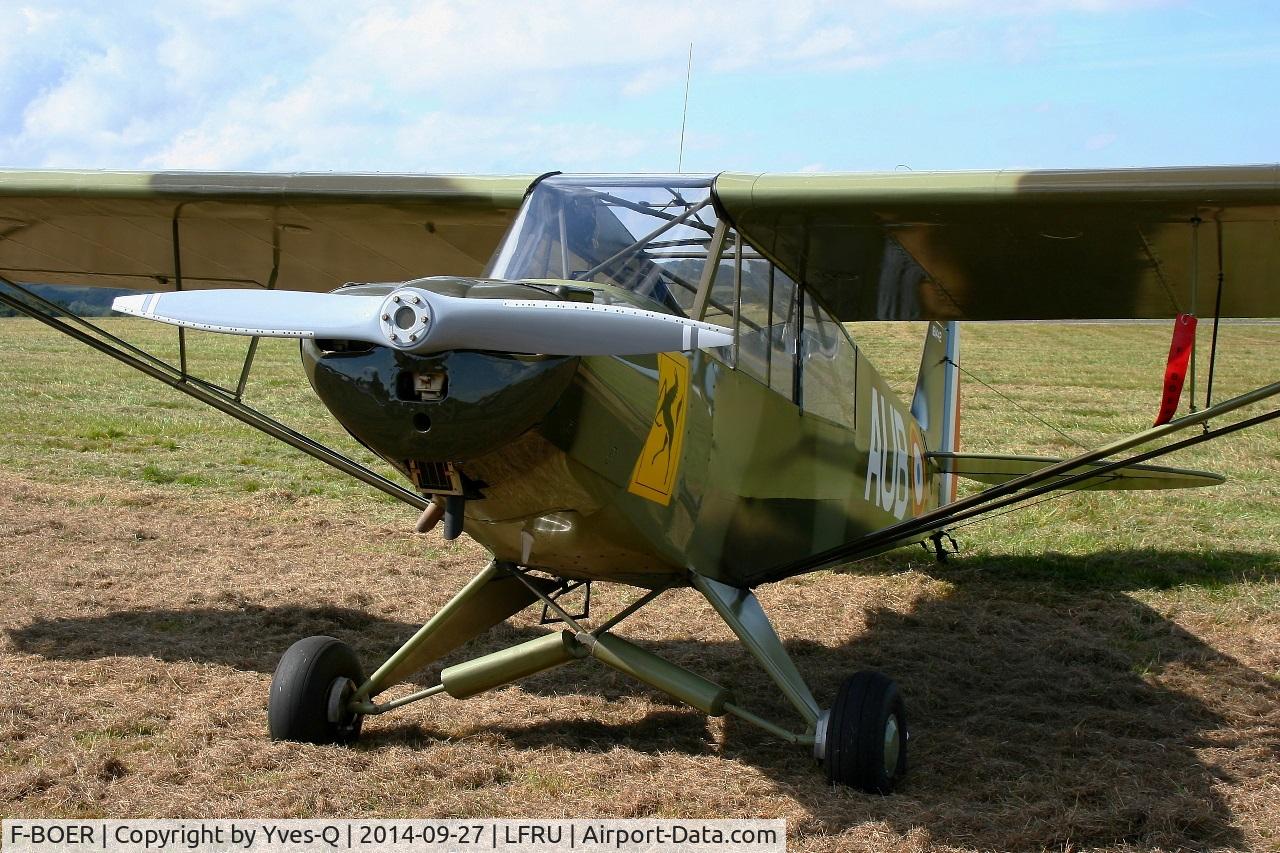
x: 865, y: 737
x: 310, y: 690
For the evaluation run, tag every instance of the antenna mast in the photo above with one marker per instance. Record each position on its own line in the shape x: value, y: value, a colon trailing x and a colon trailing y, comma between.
x: 684, y: 115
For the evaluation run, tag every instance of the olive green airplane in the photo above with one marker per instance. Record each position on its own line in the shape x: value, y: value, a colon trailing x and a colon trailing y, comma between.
x: 646, y: 379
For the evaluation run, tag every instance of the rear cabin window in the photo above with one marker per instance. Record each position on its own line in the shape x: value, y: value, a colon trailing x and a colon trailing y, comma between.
x: 771, y: 330
x: 828, y: 365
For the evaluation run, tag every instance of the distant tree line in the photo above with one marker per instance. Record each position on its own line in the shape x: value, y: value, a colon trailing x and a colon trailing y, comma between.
x: 85, y: 301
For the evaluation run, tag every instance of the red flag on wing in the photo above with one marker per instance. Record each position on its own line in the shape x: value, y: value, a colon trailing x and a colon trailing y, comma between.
x: 1175, y: 372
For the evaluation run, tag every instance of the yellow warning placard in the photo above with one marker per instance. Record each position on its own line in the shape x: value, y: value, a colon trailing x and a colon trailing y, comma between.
x: 654, y: 475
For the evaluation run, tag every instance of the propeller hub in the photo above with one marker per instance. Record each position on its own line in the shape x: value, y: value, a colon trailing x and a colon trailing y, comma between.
x: 405, y: 318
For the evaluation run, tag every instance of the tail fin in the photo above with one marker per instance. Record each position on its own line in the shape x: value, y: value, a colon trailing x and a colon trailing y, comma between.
x: 936, y: 404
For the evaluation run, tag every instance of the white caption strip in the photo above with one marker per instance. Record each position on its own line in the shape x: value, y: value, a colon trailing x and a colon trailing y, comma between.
x: 421, y: 835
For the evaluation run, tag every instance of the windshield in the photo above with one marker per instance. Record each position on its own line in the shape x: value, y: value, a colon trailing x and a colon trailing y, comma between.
x: 649, y: 235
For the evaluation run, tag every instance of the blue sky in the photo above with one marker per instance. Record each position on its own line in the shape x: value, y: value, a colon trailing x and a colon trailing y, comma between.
x: 445, y: 86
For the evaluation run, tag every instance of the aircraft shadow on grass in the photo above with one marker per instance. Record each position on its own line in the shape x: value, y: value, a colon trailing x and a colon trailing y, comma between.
x: 1034, y: 693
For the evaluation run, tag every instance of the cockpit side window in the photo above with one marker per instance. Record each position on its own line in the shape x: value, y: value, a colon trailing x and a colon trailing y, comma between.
x: 720, y: 301
x: 767, y: 323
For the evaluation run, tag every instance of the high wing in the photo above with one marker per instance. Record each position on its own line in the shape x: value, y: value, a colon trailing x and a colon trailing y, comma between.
x: 1124, y: 243
x: 310, y: 232
x: 902, y: 245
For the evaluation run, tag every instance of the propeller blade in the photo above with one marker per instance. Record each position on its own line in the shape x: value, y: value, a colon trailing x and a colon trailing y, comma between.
x: 418, y: 320
x: 262, y: 313
x: 558, y: 328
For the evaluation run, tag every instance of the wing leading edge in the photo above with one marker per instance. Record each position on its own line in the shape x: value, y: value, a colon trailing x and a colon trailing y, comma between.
x: 1124, y: 243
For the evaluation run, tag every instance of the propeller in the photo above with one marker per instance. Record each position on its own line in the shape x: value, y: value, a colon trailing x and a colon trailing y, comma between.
x: 417, y: 320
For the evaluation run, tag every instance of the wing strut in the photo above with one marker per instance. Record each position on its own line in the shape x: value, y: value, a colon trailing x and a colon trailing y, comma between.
x: 222, y: 399
x: 177, y: 285
x: 1217, y: 318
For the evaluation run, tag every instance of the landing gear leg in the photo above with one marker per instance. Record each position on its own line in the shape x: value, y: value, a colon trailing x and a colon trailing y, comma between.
x: 320, y: 695
x: 861, y: 740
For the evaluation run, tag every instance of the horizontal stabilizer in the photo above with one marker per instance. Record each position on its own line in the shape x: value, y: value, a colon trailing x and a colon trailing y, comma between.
x: 993, y: 468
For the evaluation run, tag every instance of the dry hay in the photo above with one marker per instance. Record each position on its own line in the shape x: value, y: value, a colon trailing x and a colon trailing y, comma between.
x: 140, y: 626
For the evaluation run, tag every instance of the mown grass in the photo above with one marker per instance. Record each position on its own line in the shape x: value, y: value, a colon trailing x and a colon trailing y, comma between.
x: 72, y: 414
x: 1097, y: 672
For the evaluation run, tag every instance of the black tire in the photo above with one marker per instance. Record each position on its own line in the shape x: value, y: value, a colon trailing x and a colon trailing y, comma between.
x: 301, y: 689
x: 866, y: 722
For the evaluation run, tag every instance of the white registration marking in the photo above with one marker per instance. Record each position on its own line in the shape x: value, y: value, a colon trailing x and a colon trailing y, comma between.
x: 887, y: 458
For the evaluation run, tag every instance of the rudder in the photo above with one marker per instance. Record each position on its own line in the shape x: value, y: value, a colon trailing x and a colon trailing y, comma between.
x: 936, y: 404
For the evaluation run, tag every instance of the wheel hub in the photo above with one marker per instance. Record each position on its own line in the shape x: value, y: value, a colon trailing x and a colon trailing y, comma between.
x: 820, y: 736
x: 340, y: 694
x: 892, y: 745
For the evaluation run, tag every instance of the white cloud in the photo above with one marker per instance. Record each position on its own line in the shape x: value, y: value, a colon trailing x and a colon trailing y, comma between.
x: 650, y: 80
x: 437, y: 84
x: 1098, y: 141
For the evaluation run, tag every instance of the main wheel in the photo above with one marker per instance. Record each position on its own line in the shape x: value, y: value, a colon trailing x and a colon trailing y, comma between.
x: 309, y: 693
x: 866, y: 734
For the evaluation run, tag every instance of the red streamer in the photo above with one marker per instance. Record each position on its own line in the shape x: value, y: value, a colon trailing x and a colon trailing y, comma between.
x: 1175, y: 372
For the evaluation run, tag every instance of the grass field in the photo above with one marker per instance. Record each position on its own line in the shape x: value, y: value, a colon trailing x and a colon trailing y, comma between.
x: 1100, y: 671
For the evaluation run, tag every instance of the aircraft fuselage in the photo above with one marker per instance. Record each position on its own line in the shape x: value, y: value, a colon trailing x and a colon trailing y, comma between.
x: 632, y: 469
